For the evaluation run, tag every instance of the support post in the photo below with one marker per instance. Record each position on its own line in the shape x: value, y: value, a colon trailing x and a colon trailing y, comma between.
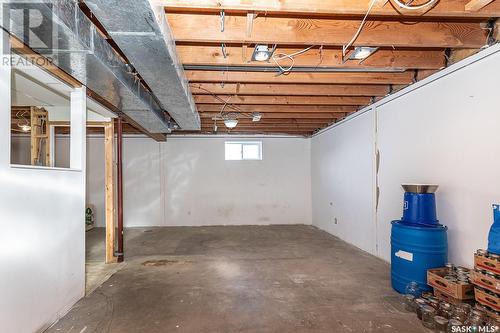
x: 109, y: 134
x: 119, y: 176
x: 33, y: 135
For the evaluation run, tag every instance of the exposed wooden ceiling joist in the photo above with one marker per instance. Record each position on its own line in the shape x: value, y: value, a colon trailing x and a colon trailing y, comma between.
x: 356, y: 8
x: 212, y: 55
x: 243, y: 124
x: 278, y: 108
x: 305, y: 78
x: 265, y: 121
x: 412, y: 45
x: 475, y: 5
x: 270, y: 128
x: 288, y: 115
x: 202, y: 28
x: 285, y: 100
x: 248, y: 131
x: 289, y: 89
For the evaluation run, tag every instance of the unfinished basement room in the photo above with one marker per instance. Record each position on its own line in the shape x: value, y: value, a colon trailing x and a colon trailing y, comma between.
x: 250, y: 166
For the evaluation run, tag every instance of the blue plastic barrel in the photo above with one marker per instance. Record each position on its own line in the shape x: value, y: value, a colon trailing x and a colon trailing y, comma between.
x: 420, y: 208
x: 414, y: 250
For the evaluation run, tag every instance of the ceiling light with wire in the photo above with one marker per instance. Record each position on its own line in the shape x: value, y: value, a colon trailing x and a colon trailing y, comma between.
x: 362, y: 52
x: 231, y: 123
x: 262, y: 52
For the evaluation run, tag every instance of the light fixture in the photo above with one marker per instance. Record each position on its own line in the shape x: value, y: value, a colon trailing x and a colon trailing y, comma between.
x: 230, y: 123
x: 256, y: 116
x: 362, y: 52
x: 262, y: 52
x: 25, y: 128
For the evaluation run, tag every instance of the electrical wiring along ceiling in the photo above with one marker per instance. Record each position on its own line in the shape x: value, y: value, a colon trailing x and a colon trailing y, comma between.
x: 295, y: 69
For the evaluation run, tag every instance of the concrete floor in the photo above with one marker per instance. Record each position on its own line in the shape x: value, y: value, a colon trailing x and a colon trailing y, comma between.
x: 96, y: 271
x: 241, y: 279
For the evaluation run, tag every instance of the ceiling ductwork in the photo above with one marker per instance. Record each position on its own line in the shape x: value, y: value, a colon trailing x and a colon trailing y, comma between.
x: 141, y: 31
x: 66, y: 36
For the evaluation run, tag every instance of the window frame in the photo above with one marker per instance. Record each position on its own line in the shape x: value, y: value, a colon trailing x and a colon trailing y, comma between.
x: 244, y: 143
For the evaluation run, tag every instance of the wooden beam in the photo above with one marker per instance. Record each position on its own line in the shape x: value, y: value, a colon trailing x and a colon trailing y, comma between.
x: 284, y: 115
x: 23, y: 50
x: 269, y: 128
x: 460, y: 54
x: 224, y: 131
x: 203, y: 28
x: 160, y: 137
x: 250, y: 17
x: 272, y: 121
x: 278, y: 108
x: 286, y: 100
x: 355, y: 8
x: 33, y: 136
x: 273, y: 126
x: 289, y: 89
x: 422, y: 74
x: 212, y: 55
x: 109, y: 135
x: 475, y: 5
x: 297, y: 77
x: 278, y: 121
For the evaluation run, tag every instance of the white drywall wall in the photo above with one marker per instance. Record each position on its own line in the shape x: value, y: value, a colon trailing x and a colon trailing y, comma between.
x: 342, y: 179
x: 186, y: 181
x: 444, y: 132
x: 202, y: 188
x: 42, y: 252
x: 448, y: 133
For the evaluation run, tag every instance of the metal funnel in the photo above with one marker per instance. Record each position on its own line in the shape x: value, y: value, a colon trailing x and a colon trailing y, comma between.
x: 420, y: 188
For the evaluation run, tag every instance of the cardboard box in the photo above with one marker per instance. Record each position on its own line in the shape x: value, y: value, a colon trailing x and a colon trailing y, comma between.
x: 447, y: 298
x: 488, y: 264
x: 488, y: 300
x: 435, y: 279
x: 486, y: 282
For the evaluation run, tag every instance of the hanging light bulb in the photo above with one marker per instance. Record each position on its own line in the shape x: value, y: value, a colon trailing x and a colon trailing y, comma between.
x: 230, y: 123
x: 25, y: 128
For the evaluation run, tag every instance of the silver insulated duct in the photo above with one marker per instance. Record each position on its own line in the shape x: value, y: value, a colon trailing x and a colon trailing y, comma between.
x: 59, y: 30
x: 141, y: 31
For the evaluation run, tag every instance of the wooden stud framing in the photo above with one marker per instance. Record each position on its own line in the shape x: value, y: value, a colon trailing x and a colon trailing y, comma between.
x: 109, y: 134
x: 109, y: 181
x: 33, y: 134
x: 39, y: 136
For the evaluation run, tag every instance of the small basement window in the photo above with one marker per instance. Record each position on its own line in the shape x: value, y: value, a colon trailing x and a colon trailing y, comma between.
x: 243, y: 150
